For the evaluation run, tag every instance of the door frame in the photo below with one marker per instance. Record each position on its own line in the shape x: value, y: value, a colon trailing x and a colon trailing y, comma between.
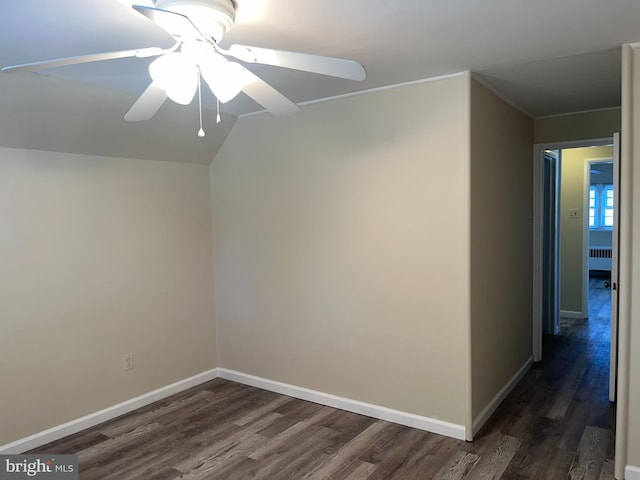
x: 613, y: 314
x: 550, y: 217
x: 615, y: 273
x: 538, y: 199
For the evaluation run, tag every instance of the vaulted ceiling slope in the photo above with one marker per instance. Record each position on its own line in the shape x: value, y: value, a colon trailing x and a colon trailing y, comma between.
x: 547, y: 57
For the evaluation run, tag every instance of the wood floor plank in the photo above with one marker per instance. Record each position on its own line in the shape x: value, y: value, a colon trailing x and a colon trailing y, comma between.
x: 424, y: 466
x: 139, y: 457
x: 258, y: 412
x: 396, y: 452
x: 207, y: 465
x: 239, y: 469
x: 557, y: 465
x: 293, y: 459
x: 418, y: 462
x: 532, y: 455
x: 377, y: 450
x: 591, y: 454
x: 347, y: 426
x: 75, y: 443
x: 217, y: 449
x: 607, y: 472
x: 573, y: 425
x: 347, y: 454
x: 493, y: 465
x: 362, y: 471
x: 311, y: 455
x: 290, y: 435
x: 567, y: 389
x: 458, y: 468
x: 129, y: 423
x: 103, y: 449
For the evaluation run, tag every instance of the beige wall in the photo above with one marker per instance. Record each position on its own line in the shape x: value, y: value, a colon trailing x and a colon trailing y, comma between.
x: 573, y: 192
x: 501, y: 243
x: 631, y: 238
x: 341, y: 248
x: 577, y: 126
x: 100, y: 257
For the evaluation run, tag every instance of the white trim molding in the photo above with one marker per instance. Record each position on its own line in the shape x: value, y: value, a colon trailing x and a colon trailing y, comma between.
x: 383, y: 413
x: 74, y: 426
x: 632, y: 473
x: 580, y: 112
x: 365, y: 92
x: 495, y: 402
x: 572, y: 314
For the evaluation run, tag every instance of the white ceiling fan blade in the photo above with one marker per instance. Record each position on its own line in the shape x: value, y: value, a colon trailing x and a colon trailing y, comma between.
x: 96, y: 57
x: 147, y: 104
x: 267, y: 96
x: 176, y: 24
x: 335, y: 67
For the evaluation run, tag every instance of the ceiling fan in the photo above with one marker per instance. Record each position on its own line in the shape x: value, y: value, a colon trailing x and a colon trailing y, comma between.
x: 177, y: 73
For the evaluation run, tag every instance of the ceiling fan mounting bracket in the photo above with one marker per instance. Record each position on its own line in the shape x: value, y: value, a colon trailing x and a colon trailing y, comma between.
x: 212, y: 17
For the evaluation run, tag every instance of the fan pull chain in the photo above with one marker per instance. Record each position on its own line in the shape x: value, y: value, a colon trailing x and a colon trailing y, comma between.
x: 218, y: 120
x: 201, y: 131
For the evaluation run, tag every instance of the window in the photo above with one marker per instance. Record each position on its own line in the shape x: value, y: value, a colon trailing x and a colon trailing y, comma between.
x: 601, y: 206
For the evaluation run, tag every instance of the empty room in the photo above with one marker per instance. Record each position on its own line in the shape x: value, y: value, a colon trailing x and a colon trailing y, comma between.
x: 284, y: 240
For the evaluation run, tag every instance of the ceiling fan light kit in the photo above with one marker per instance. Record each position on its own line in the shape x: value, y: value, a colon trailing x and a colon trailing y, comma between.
x: 198, y: 26
x: 225, y: 79
x: 176, y: 75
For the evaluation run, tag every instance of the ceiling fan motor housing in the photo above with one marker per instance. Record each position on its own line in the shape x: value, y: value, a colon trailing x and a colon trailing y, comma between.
x: 212, y: 17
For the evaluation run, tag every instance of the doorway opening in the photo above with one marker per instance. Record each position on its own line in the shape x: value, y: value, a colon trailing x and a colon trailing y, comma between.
x: 573, y: 221
x: 575, y: 268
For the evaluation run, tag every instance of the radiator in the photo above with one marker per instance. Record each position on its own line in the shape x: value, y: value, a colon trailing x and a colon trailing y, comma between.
x: 600, y: 258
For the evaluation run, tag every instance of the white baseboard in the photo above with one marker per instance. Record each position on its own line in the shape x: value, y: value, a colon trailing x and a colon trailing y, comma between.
x: 74, y: 426
x: 572, y: 314
x: 631, y: 473
x: 383, y: 413
x: 403, y: 418
x: 491, y: 407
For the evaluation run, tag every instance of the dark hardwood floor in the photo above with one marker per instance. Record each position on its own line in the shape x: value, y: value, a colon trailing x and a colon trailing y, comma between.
x: 556, y: 424
x: 560, y: 412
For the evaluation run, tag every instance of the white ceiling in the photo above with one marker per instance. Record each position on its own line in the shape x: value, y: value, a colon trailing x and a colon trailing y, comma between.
x: 545, y: 56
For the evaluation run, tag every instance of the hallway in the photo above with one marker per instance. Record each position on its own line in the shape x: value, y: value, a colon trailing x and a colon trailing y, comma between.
x: 560, y: 411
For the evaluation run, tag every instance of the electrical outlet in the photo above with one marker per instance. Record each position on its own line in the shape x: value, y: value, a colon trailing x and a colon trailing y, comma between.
x: 573, y: 213
x: 127, y: 361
